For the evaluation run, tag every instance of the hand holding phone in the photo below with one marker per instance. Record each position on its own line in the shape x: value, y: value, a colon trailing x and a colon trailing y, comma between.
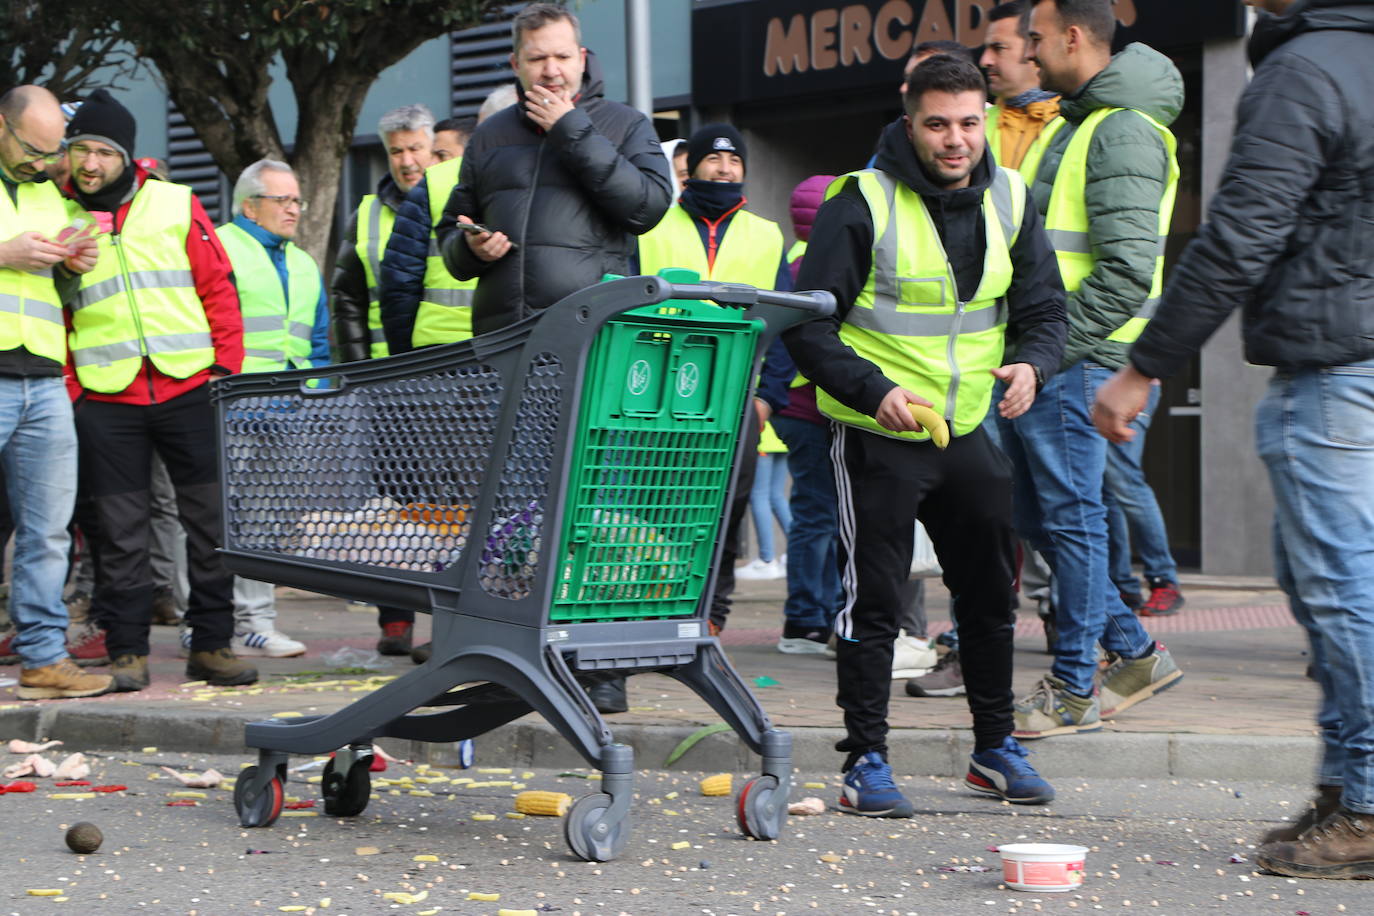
x: 487, y: 244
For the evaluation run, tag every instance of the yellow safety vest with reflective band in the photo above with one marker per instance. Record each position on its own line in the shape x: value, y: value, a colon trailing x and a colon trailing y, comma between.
x: 276, y: 324
x: 749, y: 252
x: 1066, y: 220
x: 445, y: 312
x: 908, y: 318
x: 140, y: 300
x: 375, y: 220
x: 30, y: 312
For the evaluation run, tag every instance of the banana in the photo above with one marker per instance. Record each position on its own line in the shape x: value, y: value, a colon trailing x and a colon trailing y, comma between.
x: 933, y: 423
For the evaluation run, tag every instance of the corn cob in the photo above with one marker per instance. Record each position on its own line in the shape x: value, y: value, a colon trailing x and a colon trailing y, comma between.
x: 554, y: 804
x: 720, y: 784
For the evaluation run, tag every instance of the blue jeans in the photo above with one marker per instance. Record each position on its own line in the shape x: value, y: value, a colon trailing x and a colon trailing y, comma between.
x: 768, y: 499
x: 1315, y: 433
x: 1058, y: 462
x: 1133, y: 516
x: 813, y: 576
x: 38, y: 453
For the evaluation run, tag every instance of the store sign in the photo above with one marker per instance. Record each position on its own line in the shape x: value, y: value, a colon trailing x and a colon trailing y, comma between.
x: 760, y: 49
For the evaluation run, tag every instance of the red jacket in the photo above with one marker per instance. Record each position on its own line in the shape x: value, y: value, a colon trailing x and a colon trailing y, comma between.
x: 215, y: 286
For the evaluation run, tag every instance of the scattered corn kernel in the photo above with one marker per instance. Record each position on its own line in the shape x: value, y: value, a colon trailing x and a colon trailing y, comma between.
x: 425, y: 858
x: 487, y: 898
x: 682, y: 844
x: 404, y: 898
x: 44, y: 892
x: 484, y: 817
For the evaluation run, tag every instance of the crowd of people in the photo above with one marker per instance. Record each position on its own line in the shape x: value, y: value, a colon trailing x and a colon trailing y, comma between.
x: 998, y: 264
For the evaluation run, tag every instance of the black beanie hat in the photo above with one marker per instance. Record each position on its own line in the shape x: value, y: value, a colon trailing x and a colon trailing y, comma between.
x: 102, y: 118
x: 714, y: 138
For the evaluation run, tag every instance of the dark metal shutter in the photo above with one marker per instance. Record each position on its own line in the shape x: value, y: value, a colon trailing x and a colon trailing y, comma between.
x: 189, y: 162
x: 480, y: 61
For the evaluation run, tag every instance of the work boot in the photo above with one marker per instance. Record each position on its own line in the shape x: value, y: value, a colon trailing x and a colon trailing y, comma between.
x: 165, y: 607
x: 220, y: 668
x: 396, y: 638
x: 1326, y: 803
x: 130, y: 673
x: 61, y: 680
x: 1340, y: 846
x: 421, y: 653
x: 86, y: 645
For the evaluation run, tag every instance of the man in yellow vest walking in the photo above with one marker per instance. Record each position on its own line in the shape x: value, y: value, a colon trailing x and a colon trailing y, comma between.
x: 937, y: 261
x: 285, y: 326
x: 39, y: 453
x: 148, y: 327
x: 1105, y: 181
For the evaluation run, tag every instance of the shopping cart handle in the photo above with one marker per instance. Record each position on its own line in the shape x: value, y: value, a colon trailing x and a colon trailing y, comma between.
x: 816, y: 301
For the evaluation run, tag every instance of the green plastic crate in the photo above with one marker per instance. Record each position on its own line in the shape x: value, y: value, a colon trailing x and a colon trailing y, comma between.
x: 661, y: 407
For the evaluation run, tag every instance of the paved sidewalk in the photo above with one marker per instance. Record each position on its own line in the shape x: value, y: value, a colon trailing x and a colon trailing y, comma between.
x: 1243, y: 708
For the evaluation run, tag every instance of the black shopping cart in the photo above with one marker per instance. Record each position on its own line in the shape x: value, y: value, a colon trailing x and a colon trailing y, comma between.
x: 552, y: 493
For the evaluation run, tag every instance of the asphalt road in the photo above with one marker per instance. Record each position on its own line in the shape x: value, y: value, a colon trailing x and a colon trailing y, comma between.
x: 1158, y: 846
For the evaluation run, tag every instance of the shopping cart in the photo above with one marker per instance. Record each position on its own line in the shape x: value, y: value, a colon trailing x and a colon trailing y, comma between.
x: 552, y: 493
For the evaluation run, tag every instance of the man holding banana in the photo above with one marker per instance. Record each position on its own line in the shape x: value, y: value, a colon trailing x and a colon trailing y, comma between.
x: 937, y: 262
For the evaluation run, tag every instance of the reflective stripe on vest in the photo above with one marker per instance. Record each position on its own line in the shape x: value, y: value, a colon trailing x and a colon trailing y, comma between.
x: 749, y: 252
x: 445, y: 312
x: 140, y: 300
x: 1066, y: 220
x: 374, y: 224
x: 30, y: 313
x: 908, y: 319
x: 277, y: 323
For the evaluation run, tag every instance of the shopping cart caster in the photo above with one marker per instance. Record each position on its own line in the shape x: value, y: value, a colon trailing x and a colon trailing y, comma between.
x: 592, y: 830
x: 761, y: 808
x: 347, y: 782
x: 258, y: 806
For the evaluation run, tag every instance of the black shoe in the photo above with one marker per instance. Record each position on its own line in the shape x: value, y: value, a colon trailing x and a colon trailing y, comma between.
x: 395, y: 638
x: 420, y: 654
x: 609, y: 696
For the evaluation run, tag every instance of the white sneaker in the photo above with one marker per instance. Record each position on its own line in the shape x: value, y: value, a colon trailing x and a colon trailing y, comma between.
x: 911, y: 657
x: 758, y: 569
x: 184, y: 642
x: 269, y: 643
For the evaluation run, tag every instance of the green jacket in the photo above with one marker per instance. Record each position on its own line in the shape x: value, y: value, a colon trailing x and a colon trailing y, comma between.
x: 1128, y: 169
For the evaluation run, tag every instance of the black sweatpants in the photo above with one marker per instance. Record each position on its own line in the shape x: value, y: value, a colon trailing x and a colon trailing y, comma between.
x: 116, y: 444
x: 963, y: 497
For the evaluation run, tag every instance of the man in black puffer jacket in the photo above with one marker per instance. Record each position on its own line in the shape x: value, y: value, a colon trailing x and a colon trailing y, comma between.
x: 564, y: 179
x: 1290, y: 240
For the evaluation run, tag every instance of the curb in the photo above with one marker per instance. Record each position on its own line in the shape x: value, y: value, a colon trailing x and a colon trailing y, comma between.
x: 926, y: 752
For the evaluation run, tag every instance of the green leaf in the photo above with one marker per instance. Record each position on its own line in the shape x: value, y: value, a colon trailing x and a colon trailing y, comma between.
x: 692, y: 739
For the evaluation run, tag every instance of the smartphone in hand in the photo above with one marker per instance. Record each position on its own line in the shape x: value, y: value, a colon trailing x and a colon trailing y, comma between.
x: 478, y: 229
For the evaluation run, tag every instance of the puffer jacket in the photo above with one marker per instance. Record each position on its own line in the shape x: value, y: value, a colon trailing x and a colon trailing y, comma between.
x: 1127, y: 173
x: 351, y: 331
x: 572, y: 200
x: 1289, y: 235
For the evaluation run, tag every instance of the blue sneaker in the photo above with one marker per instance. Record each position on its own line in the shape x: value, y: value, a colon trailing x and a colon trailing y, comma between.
x: 870, y: 791
x: 1004, y: 772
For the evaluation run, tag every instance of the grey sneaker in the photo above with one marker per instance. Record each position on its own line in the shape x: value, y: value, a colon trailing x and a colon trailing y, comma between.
x: 1050, y: 709
x: 1130, y: 680
x: 946, y: 679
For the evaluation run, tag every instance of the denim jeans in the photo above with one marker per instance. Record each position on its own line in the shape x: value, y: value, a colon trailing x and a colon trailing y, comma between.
x: 1315, y: 433
x: 768, y: 500
x: 38, y: 454
x: 1133, y: 516
x: 1058, y: 462
x: 813, y: 578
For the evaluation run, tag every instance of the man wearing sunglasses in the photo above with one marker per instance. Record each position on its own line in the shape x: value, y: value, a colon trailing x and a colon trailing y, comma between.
x: 37, y: 443
x: 149, y: 326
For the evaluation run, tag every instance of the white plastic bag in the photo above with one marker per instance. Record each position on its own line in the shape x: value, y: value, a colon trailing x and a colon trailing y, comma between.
x: 924, y: 563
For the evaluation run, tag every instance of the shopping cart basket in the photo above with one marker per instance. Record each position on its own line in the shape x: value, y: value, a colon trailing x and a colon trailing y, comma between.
x: 552, y: 494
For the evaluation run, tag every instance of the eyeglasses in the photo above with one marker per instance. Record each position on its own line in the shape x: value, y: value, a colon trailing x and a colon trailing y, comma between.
x: 34, y: 155
x: 284, y: 200
x: 103, y: 154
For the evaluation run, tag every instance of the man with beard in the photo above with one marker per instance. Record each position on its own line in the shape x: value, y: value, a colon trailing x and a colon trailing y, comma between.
x: 936, y: 258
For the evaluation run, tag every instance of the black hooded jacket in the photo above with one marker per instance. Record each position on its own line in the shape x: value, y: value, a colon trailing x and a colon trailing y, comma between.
x: 1290, y: 233
x: 351, y: 331
x: 840, y: 256
x: 572, y: 200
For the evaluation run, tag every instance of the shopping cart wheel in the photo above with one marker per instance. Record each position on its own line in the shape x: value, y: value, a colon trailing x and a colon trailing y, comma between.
x: 589, y: 832
x: 263, y: 810
x: 346, y: 793
x: 761, y: 809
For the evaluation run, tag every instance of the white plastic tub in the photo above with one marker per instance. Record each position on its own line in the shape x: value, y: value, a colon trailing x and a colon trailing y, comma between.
x: 1047, y: 868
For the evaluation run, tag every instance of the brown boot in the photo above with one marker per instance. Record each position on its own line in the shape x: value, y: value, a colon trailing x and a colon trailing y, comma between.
x: 1341, y: 846
x: 1327, y: 801
x: 130, y: 673
x: 165, y: 608
x: 60, y: 681
x: 220, y: 668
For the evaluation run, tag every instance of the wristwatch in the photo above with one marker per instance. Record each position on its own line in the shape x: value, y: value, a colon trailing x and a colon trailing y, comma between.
x: 1039, y: 376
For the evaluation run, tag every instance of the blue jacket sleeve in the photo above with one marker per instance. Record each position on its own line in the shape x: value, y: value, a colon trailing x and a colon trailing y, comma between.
x: 319, y: 335
x: 403, y: 269
x: 776, y: 377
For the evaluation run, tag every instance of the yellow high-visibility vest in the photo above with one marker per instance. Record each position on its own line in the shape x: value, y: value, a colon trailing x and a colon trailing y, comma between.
x: 375, y: 221
x: 908, y: 319
x: 30, y: 313
x: 749, y: 252
x: 277, y: 324
x: 445, y: 312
